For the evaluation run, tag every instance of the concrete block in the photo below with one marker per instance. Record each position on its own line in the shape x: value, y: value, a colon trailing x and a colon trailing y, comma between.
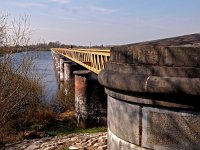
x: 115, y: 143
x: 178, y: 51
x: 123, y: 120
x: 168, y: 129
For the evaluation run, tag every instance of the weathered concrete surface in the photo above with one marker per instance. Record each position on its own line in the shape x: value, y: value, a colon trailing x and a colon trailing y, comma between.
x: 67, y: 71
x: 81, y: 97
x: 170, y: 129
x: 179, y: 51
x: 166, y: 100
x: 61, y: 70
x: 123, y: 120
x: 145, y: 67
x: 171, y: 56
x: 116, y: 143
x: 149, y: 84
x: 97, y: 103
x: 153, y: 94
x: 90, y: 100
x: 151, y: 70
x: 56, y: 61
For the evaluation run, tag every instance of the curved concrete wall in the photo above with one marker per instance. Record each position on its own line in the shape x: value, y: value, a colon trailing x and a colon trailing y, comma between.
x: 153, y: 93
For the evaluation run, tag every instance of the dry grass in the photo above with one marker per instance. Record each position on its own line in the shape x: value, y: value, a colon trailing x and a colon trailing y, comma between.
x: 67, y: 114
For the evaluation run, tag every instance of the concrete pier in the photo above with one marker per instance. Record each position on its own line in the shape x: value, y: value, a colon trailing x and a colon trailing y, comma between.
x: 81, y: 98
x: 153, y: 93
x: 56, y: 61
x: 61, y: 70
x: 68, y: 72
x: 57, y: 64
x: 90, y: 100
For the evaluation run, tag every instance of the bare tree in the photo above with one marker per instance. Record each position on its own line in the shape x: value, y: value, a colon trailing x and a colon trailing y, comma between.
x: 19, y: 86
x: 21, y: 31
x: 3, y: 26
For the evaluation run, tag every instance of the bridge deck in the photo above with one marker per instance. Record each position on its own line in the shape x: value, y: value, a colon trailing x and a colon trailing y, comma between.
x: 92, y: 59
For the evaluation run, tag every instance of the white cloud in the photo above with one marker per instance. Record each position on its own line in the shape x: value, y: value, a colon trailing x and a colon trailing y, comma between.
x: 61, y: 1
x: 102, y: 10
x: 28, y: 4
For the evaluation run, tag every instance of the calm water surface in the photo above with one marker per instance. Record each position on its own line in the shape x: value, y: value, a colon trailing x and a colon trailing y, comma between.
x: 44, y: 66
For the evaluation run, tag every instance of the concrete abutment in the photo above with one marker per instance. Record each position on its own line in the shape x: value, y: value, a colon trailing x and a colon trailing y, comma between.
x: 151, y: 126
x: 153, y: 95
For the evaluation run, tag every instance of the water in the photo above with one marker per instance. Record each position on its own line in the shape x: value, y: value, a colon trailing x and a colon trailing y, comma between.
x: 45, y: 68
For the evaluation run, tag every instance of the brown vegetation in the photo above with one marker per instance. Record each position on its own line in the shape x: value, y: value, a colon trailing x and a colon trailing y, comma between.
x: 65, y: 96
x: 20, y: 87
x: 23, y: 113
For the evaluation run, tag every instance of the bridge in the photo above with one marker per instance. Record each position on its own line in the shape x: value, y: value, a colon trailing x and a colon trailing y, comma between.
x: 92, y: 59
x: 153, y: 91
x: 83, y: 65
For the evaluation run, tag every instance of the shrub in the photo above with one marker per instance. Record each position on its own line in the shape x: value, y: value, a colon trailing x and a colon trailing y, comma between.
x: 66, y: 96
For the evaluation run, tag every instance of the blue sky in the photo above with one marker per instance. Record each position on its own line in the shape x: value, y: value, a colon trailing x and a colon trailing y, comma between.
x: 106, y: 22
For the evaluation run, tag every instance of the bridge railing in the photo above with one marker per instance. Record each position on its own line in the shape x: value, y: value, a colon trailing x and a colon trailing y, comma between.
x: 92, y: 59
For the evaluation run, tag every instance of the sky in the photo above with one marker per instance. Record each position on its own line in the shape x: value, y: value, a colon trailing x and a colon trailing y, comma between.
x: 107, y: 22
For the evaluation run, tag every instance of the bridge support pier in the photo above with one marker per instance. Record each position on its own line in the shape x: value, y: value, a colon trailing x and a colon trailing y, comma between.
x: 57, y: 65
x: 153, y: 95
x: 68, y: 71
x: 81, y: 97
x: 61, y: 70
x: 90, y: 100
x: 68, y: 77
x: 56, y: 60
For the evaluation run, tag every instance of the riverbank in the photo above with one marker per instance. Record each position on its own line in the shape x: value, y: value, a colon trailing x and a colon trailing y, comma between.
x: 61, y: 125
x: 84, y: 141
x: 12, y: 50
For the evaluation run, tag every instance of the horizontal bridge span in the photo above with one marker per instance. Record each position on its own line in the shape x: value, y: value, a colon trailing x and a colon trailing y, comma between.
x: 92, y: 59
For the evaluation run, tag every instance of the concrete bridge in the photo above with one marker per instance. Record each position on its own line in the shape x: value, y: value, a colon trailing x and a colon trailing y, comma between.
x: 153, y: 92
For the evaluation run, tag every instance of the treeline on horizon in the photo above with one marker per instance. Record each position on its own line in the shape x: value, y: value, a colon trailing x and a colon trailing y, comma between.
x: 45, y: 47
